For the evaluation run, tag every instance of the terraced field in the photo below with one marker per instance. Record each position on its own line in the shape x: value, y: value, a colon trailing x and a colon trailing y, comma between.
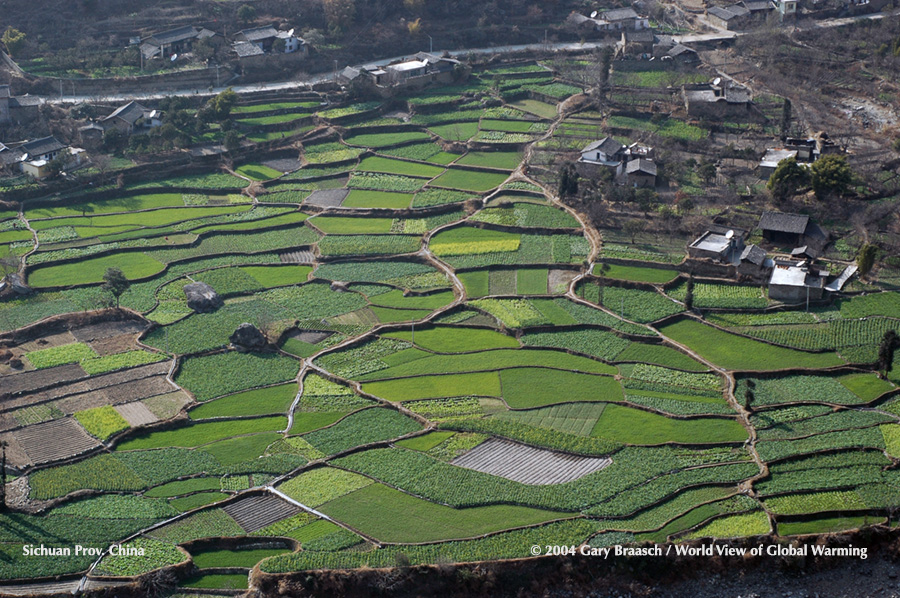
x: 442, y: 378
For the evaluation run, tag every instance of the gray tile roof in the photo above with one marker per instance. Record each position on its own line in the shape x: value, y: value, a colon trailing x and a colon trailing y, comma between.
x: 641, y: 166
x: 607, y: 145
x: 257, y: 34
x: 130, y: 113
x: 39, y: 147
x: 753, y: 254
x: 783, y: 222
x: 174, y: 35
x: 618, y: 14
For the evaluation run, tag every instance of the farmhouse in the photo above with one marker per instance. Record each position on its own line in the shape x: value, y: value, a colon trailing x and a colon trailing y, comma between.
x: 771, y: 159
x: 605, y: 152
x: 130, y: 117
x: 753, y: 262
x: 717, y: 99
x: 635, y: 43
x: 172, y: 42
x: 618, y: 19
x: 419, y: 71
x: 725, y: 247
x: 640, y: 173
x: 794, y: 282
x: 17, y: 109
x: 783, y: 228
x: 263, y: 40
x: 728, y: 17
x: 34, y: 157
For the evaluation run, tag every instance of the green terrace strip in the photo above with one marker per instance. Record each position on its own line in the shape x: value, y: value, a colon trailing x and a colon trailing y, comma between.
x: 134, y: 265
x: 315, y: 487
x: 102, y: 422
x: 390, y: 166
x: 183, y: 487
x: 377, y: 140
x: 363, y: 427
x: 739, y: 353
x: 106, y: 206
x: 397, y: 299
x: 258, y: 172
x: 636, y: 273
x: 492, y: 360
x: 333, y: 245
x: 501, y: 160
x: 447, y: 339
x: 364, y: 198
x: 294, y: 106
x: 203, y: 433
x: 247, y: 557
x: 393, y: 516
x: 262, y: 401
x: 63, y: 354
x: 236, y: 372
x: 352, y: 226
x: 149, y: 218
x: 466, y: 240
x: 634, y: 426
x: 469, y: 180
x: 526, y: 215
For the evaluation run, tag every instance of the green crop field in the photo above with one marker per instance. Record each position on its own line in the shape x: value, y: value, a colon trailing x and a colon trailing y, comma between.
x: 739, y: 353
x: 443, y: 367
x: 469, y: 180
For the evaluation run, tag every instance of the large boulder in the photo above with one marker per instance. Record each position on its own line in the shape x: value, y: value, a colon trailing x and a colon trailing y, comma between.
x: 201, y: 297
x: 17, y: 284
x: 247, y: 337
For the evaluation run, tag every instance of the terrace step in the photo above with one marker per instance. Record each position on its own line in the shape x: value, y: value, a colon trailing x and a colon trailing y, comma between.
x: 297, y: 257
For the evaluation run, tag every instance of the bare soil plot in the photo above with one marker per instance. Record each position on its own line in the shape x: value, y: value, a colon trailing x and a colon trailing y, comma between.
x: 256, y: 512
x: 80, y: 402
x: 41, y: 589
x: 526, y: 464
x: 327, y: 198
x: 310, y: 336
x: 36, y: 380
x: 103, y: 330
x: 297, y: 257
x: 45, y: 342
x: 167, y: 405
x: 136, y: 414
x: 15, y: 454
x: 559, y: 280
x: 283, y: 164
x: 53, y: 440
x: 113, y: 344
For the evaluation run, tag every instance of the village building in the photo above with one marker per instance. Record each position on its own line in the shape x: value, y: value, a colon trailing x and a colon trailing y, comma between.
x: 771, y: 159
x: 754, y: 263
x: 17, y: 109
x: 267, y: 40
x: 617, y: 19
x: 797, y: 230
x: 636, y: 43
x: 606, y: 152
x: 787, y: 9
x: 796, y: 282
x: 34, y: 157
x: 731, y: 17
x: 417, y: 72
x: 130, y: 118
x: 723, y: 246
x: 718, y: 99
x: 91, y: 135
x: 173, y: 42
x: 641, y: 173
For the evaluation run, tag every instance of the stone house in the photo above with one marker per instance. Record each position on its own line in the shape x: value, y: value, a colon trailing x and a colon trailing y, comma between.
x: 131, y: 117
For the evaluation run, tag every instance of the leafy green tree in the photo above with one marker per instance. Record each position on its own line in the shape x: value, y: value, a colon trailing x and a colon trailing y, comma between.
x: 246, y: 13
x: 115, y: 282
x: 788, y: 178
x: 707, y: 172
x: 865, y: 259
x: 219, y: 107
x: 232, y: 140
x: 339, y: 13
x: 13, y: 39
x: 831, y: 175
x: 889, y: 343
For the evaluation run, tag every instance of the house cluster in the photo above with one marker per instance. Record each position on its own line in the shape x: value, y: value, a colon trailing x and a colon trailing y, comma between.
x: 750, y: 13
x: 805, y: 151
x: 646, y: 45
x: 34, y: 157
x: 128, y: 119
x: 419, y: 70
x: 718, y: 99
x: 792, y: 277
x: 630, y: 165
x: 247, y: 43
x: 615, y: 20
x: 17, y: 109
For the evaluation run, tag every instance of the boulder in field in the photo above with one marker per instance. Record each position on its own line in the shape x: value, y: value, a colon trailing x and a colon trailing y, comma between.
x: 248, y: 337
x: 201, y: 297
